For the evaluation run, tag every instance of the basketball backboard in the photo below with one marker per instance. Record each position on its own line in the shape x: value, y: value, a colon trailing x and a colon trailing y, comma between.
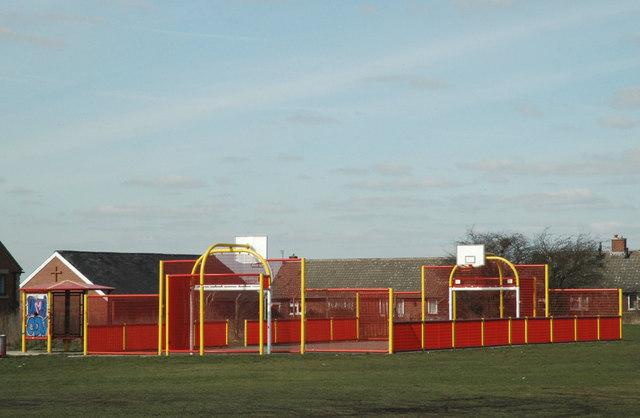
x: 470, y: 255
x: 258, y: 244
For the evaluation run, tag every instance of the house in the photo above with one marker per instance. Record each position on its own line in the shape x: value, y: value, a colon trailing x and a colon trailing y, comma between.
x: 10, y: 272
x: 622, y: 271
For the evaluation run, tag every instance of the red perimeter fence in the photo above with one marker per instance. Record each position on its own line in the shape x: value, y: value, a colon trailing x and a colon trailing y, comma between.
x: 122, y: 324
x: 340, y: 320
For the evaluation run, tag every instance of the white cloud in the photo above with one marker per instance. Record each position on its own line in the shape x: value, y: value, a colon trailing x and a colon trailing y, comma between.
x: 529, y: 111
x: 130, y: 209
x: 127, y: 95
x: 564, y: 200
x: 476, y: 5
x: 422, y: 82
x: 289, y: 157
x: 625, y: 163
x: 9, y: 35
x: 310, y: 118
x: 365, y: 204
x: 171, y: 181
x: 402, y: 183
x: 392, y: 169
x: 20, y: 191
x: 548, y: 201
x: 616, y: 121
x: 352, y: 171
x: 626, y: 98
x: 271, y: 208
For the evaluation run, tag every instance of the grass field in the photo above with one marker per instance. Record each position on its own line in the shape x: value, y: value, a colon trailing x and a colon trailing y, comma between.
x: 597, y: 379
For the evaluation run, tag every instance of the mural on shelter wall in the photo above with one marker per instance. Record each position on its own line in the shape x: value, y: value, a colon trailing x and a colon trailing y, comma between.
x: 37, y: 318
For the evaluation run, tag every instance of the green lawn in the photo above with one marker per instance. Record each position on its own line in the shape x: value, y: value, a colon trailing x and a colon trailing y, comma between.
x: 599, y: 378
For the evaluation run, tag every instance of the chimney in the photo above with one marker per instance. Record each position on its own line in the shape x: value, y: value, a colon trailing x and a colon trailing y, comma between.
x: 619, y: 245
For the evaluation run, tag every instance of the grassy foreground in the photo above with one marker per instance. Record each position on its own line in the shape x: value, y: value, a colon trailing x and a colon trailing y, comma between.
x: 600, y: 378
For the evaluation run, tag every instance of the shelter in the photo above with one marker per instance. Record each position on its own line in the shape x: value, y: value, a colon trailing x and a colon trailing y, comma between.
x: 55, y: 311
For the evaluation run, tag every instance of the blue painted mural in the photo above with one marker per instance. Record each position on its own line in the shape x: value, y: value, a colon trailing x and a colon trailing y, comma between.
x: 37, y: 317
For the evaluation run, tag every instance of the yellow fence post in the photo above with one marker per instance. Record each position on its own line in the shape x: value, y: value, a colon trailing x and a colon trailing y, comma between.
x: 620, y: 310
x: 85, y: 324
x: 509, y: 331
x: 453, y: 334
x: 226, y: 332
x: 260, y: 324
x: 526, y: 330
x: 331, y: 329
x: 390, y: 320
x: 482, y: 332
x: 246, y: 328
x: 598, y: 327
x: 575, y: 328
x: 24, y: 321
x: 49, y: 309
x: 124, y: 337
x: 551, y: 329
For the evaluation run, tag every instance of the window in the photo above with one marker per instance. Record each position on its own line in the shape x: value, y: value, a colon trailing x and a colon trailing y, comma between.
x: 633, y: 302
x: 294, y: 308
x: 3, y: 280
x: 400, y: 308
x: 579, y: 303
x: 432, y: 306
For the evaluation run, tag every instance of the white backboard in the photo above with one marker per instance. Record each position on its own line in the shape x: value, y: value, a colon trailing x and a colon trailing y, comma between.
x: 470, y: 255
x: 258, y: 244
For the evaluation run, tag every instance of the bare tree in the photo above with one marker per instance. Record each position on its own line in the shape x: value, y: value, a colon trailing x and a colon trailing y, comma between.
x: 574, y: 261
x: 512, y: 246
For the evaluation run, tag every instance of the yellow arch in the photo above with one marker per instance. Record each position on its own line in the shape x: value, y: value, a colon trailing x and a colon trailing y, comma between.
x: 202, y: 261
x: 494, y: 258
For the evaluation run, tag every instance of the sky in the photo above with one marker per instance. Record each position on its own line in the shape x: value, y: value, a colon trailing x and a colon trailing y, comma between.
x: 338, y: 129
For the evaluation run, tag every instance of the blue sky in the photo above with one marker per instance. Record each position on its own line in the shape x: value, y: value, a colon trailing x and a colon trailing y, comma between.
x: 336, y: 128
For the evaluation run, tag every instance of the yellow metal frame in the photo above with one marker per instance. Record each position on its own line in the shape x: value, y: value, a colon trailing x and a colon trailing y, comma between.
x: 620, y: 309
x: 488, y: 257
x: 50, y: 325
x: 85, y: 324
x: 200, y: 264
x: 24, y: 321
x: 160, y: 305
x: 390, y: 320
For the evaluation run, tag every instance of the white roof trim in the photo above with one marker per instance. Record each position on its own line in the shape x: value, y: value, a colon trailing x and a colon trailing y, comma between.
x: 66, y: 263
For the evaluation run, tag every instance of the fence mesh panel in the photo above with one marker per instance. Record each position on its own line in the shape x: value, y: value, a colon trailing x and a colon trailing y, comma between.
x: 122, y: 324
x: 584, y: 302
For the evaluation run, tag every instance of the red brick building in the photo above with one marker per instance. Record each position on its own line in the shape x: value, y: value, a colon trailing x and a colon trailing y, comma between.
x: 10, y: 272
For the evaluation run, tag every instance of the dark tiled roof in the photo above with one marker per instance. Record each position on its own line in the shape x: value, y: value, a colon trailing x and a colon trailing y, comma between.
x: 623, y: 272
x: 14, y: 266
x: 402, y: 274
x: 129, y: 273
